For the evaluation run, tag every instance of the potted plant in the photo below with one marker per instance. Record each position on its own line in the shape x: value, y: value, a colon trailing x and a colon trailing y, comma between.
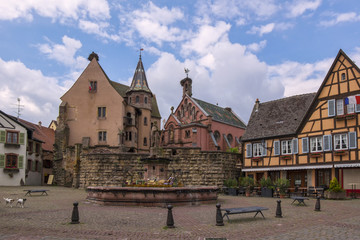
x: 267, y: 187
x: 231, y: 184
x: 248, y: 183
x: 282, y: 184
x: 335, y: 191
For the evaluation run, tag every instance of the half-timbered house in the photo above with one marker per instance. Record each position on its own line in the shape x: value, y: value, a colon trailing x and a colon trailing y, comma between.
x: 310, y: 138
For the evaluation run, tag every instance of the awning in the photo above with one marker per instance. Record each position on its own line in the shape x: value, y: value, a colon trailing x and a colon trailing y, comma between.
x: 284, y: 168
x: 348, y: 165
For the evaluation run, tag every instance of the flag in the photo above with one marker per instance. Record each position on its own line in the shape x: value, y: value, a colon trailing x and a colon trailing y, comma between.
x: 346, y: 101
x: 89, y: 86
x: 357, y: 97
x: 352, y: 100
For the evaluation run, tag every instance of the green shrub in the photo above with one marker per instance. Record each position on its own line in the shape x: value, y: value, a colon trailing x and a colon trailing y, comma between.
x: 266, y: 182
x: 335, y: 186
x: 231, y: 183
x: 283, y: 184
x: 247, y: 182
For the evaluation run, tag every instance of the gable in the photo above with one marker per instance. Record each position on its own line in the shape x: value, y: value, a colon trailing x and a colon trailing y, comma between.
x: 343, y: 78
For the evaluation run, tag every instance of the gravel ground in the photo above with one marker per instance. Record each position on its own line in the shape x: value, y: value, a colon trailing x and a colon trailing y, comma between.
x: 49, y: 217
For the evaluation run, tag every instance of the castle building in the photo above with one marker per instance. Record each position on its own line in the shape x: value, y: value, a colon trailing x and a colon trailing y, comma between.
x: 97, y: 111
x: 196, y: 123
x: 310, y: 138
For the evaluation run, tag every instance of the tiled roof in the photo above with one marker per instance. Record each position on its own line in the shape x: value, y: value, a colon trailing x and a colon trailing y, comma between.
x: 220, y: 114
x: 41, y: 133
x: 278, y: 118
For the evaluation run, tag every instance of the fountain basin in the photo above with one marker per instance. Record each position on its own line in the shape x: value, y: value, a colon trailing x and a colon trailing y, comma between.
x: 152, y: 196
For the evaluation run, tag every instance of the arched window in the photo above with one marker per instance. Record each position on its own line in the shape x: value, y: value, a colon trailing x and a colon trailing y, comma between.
x: 129, y: 119
x: 137, y: 99
x: 182, y: 111
x: 230, y: 138
x: 145, y: 121
x: 171, y: 134
x: 193, y: 113
x: 217, y: 136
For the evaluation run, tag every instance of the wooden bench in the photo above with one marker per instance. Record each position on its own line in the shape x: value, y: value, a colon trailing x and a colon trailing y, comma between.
x: 36, y: 191
x: 255, y: 209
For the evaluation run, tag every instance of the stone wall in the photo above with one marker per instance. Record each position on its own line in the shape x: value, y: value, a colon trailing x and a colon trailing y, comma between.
x: 106, y: 166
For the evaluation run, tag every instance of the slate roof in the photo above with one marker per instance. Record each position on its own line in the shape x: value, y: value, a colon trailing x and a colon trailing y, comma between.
x: 220, y: 114
x: 278, y: 118
x: 139, y: 82
x: 122, y: 89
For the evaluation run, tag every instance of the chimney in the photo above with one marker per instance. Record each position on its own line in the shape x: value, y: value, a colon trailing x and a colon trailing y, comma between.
x: 40, y: 123
x: 228, y: 109
x: 257, y: 102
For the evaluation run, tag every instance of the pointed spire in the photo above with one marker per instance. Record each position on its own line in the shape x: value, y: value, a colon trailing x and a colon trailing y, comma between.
x: 139, y: 82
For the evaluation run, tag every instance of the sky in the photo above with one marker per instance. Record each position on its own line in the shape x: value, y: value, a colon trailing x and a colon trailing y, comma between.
x: 236, y: 51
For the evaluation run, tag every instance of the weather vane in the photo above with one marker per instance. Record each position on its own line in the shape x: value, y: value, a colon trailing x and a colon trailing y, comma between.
x: 141, y: 49
x: 187, y: 72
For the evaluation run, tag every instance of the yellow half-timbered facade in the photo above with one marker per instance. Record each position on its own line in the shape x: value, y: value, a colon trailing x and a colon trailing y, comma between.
x: 309, y: 138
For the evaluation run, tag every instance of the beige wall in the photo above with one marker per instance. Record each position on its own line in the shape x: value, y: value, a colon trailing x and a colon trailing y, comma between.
x: 82, y: 108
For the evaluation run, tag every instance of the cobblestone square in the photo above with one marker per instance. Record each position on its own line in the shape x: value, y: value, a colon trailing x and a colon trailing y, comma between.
x: 49, y: 217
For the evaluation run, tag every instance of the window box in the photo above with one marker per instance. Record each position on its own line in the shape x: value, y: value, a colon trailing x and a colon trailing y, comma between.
x: 15, y: 145
x: 340, y: 152
x: 286, y: 157
x: 257, y: 159
x: 315, y: 155
x: 346, y: 116
x: 11, y: 170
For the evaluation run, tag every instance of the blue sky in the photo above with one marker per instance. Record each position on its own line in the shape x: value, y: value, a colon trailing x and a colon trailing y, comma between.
x: 236, y: 51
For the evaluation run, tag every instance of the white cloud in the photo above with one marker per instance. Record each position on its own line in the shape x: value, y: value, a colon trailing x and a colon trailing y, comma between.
x: 205, y: 38
x: 264, y: 29
x: 226, y: 74
x: 98, y: 28
x: 341, y: 18
x: 64, y: 53
x: 63, y: 10
x: 39, y: 94
x: 299, y: 78
x: 299, y: 7
x: 256, y: 47
x: 154, y: 24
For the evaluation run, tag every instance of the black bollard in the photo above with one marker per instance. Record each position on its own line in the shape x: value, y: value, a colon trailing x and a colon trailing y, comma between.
x: 317, y: 205
x: 75, y: 214
x: 170, y: 219
x: 278, y: 209
x: 219, y: 219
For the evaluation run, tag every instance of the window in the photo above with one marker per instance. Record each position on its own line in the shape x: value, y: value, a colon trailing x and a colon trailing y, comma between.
x: 101, y: 112
x: 305, y: 145
x: 187, y: 133
x: 29, y: 162
x: 30, y: 147
x: 340, y: 107
x: 93, y: 86
x: 248, y: 150
x: 286, y: 147
x: 316, y: 144
x: 37, y: 148
x: 343, y: 77
x: 102, y: 136
x: 146, y: 100
x: 128, y: 136
x: 258, y: 149
x: 276, y: 148
x: 12, y: 137
x: 11, y: 161
x: 217, y: 136
x: 37, y: 169
x: 230, y: 138
x: 340, y: 141
x: 145, y: 141
x: 137, y: 99
x: 145, y: 121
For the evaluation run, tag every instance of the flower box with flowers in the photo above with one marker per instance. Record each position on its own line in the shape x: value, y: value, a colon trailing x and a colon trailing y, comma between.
x: 339, y: 152
x: 315, y: 155
x: 286, y: 157
x: 256, y: 159
x: 346, y: 116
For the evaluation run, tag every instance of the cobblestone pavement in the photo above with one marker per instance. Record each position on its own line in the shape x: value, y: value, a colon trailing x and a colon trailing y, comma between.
x: 49, y: 217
